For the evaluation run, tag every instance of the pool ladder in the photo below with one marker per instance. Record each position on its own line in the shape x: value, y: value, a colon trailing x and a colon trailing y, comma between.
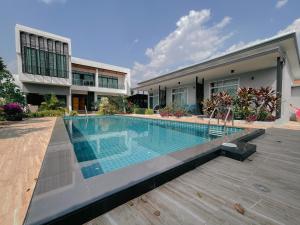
x: 214, y: 130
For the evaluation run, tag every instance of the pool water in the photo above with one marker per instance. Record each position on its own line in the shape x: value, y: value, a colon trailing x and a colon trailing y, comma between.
x: 106, y: 143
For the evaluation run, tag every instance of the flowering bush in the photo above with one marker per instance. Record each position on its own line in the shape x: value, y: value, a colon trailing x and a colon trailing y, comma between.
x: 13, y: 111
x: 251, y: 118
x: 249, y: 104
x: 221, y: 100
x: 166, y: 111
x: 179, y: 113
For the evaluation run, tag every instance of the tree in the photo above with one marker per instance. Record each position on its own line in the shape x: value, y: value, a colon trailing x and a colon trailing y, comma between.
x: 8, y: 89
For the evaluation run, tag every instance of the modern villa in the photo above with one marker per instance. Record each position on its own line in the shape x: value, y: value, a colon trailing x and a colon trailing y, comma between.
x: 271, y: 63
x: 46, y: 66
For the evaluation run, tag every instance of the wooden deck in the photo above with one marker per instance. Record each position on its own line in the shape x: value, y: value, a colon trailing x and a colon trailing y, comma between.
x: 22, y: 149
x: 267, y: 186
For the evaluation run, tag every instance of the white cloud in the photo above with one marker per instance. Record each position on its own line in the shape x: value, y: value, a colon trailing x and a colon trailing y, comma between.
x: 135, y: 41
x: 48, y: 2
x: 281, y: 3
x: 294, y: 27
x: 191, y: 42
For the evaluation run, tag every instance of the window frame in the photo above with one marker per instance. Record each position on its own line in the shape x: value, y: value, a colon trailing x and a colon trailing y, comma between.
x: 223, y: 80
x: 185, y: 90
x: 109, y: 82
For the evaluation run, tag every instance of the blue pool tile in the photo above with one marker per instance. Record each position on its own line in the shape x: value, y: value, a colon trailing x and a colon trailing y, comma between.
x: 113, y: 142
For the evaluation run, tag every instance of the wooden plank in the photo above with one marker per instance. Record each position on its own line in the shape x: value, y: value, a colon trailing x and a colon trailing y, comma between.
x: 206, y: 195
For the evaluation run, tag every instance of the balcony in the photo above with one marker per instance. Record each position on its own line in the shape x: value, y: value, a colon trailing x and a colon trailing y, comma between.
x: 120, y: 86
x: 80, y: 82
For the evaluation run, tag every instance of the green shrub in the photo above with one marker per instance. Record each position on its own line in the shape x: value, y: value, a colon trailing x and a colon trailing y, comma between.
x: 51, y: 103
x: 139, y: 110
x: 106, y: 108
x: 73, y: 113
x: 46, y: 113
x: 149, y: 111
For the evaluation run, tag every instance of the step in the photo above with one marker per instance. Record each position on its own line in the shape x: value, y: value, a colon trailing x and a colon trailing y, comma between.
x: 216, y: 132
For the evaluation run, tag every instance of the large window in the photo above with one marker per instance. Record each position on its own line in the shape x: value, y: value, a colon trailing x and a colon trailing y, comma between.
x: 43, y: 56
x: 108, y: 82
x: 179, y: 97
x: 83, y: 78
x: 153, y: 100
x: 230, y: 86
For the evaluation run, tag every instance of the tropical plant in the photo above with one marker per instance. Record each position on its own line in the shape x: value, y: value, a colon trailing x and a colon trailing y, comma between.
x: 250, y: 104
x: 166, y: 111
x: 105, y: 108
x: 9, y: 91
x: 51, y: 103
x: 221, y: 100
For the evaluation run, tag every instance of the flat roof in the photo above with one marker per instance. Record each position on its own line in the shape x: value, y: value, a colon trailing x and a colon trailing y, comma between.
x: 96, y: 64
x: 42, y: 33
x: 275, y: 39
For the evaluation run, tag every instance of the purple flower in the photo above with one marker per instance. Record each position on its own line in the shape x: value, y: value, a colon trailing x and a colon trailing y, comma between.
x: 12, y: 108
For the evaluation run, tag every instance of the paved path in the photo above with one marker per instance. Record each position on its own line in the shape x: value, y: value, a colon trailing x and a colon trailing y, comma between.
x: 267, y: 186
x: 22, y: 148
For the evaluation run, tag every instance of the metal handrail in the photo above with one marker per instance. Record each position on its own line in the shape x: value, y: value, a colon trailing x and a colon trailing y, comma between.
x: 85, y: 110
x: 225, y: 120
x: 210, y: 117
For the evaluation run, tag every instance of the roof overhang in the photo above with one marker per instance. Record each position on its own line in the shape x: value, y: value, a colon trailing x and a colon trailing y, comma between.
x: 254, y: 62
x: 94, y: 64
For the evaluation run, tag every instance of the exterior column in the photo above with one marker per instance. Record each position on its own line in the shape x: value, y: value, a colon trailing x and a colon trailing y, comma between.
x: 69, y: 100
x: 159, y: 96
x: 279, y: 86
x: 95, y: 98
x: 96, y: 78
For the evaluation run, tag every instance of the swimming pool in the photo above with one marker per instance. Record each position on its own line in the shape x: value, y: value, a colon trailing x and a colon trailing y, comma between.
x: 106, y: 143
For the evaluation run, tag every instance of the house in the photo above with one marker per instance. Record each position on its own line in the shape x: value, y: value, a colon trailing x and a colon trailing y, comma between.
x: 273, y: 63
x: 46, y: 66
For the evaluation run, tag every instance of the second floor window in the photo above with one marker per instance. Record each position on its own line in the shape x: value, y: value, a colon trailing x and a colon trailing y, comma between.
x: 43, y: 56
x: 108, y: 82
x: 83, y: 79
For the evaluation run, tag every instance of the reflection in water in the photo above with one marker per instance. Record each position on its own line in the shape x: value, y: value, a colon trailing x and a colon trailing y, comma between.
x: 104, y: 144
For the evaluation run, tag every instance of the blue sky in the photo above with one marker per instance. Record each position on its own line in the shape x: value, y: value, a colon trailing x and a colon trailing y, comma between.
x: 150, y: 37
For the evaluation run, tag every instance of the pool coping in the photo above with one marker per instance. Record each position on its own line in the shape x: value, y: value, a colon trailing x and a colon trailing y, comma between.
x: 76, y: 200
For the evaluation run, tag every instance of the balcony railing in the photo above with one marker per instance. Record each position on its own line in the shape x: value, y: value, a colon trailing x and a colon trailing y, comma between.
x: 91, y: 83
x: 80, y: 82
x: 119, y: 86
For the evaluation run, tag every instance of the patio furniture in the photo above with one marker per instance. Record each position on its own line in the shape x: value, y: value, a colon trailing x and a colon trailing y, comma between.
x: 156, y: 109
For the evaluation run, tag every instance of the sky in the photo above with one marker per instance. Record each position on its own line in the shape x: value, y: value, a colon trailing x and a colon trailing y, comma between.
x: 149, y: 37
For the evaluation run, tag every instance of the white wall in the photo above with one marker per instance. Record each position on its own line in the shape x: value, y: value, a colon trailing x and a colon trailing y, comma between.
x: 262, y: 78
x: 191, y: 93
